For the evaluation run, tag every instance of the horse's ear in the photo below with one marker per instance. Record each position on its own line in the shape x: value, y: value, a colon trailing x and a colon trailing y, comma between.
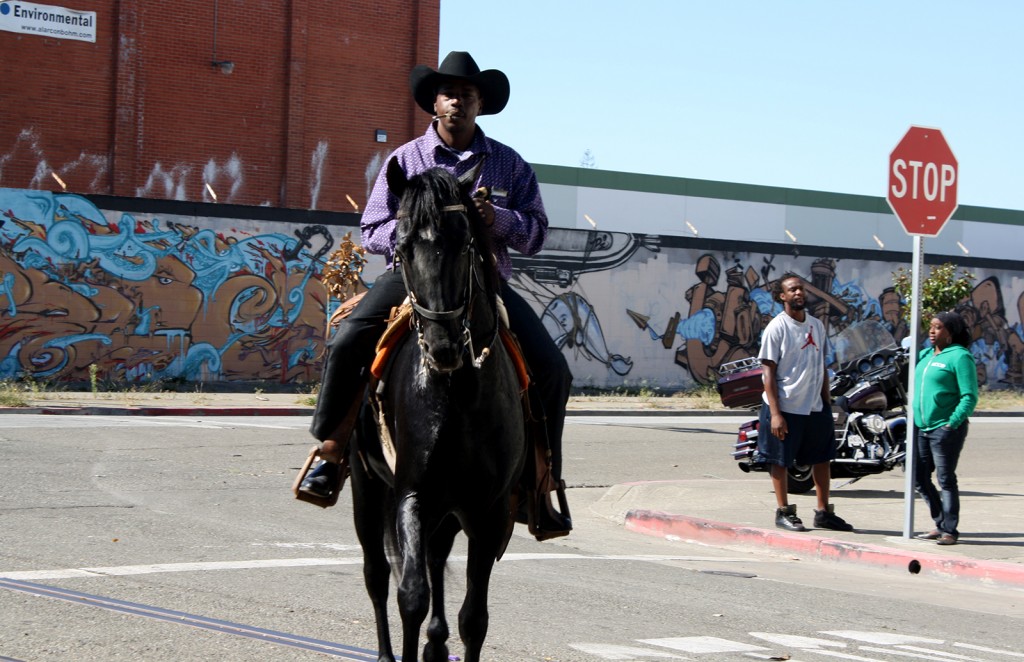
x: 467, y: 180
x: 397, y: 180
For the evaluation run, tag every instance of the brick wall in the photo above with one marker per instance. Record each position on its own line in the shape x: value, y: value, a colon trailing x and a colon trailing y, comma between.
x: 143, y: 113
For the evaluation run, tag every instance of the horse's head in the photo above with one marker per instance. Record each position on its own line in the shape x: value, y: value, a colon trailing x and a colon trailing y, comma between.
x: 439, y: 241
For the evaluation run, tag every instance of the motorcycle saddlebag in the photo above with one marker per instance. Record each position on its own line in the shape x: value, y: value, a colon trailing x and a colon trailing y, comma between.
x: 739, y: 383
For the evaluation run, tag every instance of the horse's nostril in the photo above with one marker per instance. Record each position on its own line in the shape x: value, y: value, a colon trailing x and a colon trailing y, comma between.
x: 443, y: 356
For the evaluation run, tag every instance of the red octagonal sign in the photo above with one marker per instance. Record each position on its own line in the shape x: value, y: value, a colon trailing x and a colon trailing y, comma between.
x: 922, y: 181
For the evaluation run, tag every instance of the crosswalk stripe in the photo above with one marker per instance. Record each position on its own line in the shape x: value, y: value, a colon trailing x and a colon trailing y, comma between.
x: 882, y: 638
x: 614, y: 652
x: 796, y: 641
x: 702, y: 645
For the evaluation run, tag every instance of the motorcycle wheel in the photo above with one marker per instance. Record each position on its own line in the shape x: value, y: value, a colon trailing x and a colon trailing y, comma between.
x: 800, y: 479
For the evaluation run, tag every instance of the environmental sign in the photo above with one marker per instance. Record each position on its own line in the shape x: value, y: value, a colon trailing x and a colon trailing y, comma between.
x: 48, y: 21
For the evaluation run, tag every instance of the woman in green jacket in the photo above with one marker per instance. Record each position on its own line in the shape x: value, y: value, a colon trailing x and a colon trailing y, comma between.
x: 945, y: 393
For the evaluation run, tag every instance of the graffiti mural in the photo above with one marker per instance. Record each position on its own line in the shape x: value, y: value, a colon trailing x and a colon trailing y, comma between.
x: 140, y: 299
x: 724, y: 320
x: 134, y: 298
x: 568, y: 315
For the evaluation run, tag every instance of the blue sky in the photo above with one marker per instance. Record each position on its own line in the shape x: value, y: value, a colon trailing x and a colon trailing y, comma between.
x: 800, y: 94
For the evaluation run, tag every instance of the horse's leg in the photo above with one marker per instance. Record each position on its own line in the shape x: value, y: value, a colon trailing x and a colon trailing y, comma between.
x: 413, y: 592
x: 483, y: 550
x: 439, y: 547
x: 368, y: 505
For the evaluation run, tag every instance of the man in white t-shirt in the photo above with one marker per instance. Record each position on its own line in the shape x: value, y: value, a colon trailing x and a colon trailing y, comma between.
x: 796, y: 416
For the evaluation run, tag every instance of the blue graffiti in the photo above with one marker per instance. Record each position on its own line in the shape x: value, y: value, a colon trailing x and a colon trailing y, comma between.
x: 69, y: 240
x: 699, y: 326
x: 765, y: 303
x: 6, y: 285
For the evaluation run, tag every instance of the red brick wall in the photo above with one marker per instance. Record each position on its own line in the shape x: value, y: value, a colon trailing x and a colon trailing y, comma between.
x: 142, y: 112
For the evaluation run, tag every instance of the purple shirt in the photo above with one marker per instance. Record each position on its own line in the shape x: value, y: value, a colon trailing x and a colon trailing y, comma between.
x: 519, y: 218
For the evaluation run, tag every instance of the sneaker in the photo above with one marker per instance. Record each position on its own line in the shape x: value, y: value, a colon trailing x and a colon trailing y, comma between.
x: 785, y: 518
x: 321, y: 480
x: 934, y: 534
x: 827, y: 519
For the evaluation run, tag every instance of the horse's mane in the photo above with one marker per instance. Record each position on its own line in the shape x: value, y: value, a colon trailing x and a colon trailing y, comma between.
x: 436, y: 184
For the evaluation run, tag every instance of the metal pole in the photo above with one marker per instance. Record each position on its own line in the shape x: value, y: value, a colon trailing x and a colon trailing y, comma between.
x: 915, y: 332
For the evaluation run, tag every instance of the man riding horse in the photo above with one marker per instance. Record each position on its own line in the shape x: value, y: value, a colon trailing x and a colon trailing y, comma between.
x: 455, y: 94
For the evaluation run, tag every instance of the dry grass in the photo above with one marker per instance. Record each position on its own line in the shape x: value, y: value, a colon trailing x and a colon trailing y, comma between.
x: 992, y: 400
x: 706, y: 397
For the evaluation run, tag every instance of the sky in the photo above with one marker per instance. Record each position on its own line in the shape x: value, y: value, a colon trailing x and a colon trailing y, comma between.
x: 799, y: 94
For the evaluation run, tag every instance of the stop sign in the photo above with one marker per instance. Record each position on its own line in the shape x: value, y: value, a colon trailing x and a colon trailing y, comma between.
x: 922, y: 181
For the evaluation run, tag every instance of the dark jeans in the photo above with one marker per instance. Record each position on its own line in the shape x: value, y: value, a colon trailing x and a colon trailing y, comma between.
x: 938, y: 451
x: 351, y: 348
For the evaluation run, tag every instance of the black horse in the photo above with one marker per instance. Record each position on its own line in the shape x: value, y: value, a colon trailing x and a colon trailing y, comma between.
x: 451, y: 410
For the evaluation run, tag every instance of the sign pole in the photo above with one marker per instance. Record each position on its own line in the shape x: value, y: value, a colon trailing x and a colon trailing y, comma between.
x: 915, y: 331
x: 923, y: 174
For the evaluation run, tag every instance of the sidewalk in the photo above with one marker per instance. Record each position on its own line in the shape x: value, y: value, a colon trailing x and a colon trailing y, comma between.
x: 740, y: 513
x: 722, y: 513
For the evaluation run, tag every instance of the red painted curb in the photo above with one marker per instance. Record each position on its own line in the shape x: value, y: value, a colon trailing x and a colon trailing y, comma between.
x: 656, y: 523
x: 160, y: 411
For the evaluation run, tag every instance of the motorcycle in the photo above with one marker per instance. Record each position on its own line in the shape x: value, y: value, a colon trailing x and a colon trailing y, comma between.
x: 869, y: 400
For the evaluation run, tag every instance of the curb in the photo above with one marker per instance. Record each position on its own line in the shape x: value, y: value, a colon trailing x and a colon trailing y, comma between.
x: 93, y: 410
x: 657, y: 412
x: 271, y: 410
x: 161, y: 411
x: 660, y: 524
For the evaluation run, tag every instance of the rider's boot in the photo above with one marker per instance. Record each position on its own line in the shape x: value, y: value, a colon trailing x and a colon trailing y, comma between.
x: 323, y: 484
x: 327, y: 477
x: 544, y: 520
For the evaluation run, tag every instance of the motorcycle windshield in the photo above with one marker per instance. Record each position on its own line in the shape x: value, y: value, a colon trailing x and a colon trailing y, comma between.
x: 862, y: 340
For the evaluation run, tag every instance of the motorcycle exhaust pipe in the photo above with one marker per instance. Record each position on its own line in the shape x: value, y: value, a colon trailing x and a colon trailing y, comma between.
x: 862, y: 462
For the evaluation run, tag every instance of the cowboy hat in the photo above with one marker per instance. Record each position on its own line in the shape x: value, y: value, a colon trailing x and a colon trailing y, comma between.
x: 459, y: 65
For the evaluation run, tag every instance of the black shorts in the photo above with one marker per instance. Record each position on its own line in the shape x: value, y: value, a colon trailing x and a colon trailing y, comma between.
x: 810, y: 439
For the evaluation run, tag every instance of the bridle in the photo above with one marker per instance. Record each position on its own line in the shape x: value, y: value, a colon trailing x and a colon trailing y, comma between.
x: 462, y: 313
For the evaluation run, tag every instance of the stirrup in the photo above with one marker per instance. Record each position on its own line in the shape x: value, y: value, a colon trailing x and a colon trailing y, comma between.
x: 545, y: 522
x: 323, y: 502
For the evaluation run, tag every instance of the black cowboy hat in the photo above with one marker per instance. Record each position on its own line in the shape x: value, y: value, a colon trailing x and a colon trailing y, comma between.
x: 459, y: 65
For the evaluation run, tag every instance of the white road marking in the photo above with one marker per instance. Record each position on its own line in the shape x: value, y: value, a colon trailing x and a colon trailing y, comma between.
x: 702, y: 645
x: 844, y: 656
x: 983, y: 649
x: 901, y: 653
x: 612, y: 652
x: 801, y: 644
x: 123, y: 570
x: 883, y: 638
x: 38, y: 421
x: 261, y: 564
x: 796, y: 641
x: 945, y: 656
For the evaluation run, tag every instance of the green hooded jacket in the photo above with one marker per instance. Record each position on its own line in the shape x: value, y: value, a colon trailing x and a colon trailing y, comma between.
x: 945, y: 388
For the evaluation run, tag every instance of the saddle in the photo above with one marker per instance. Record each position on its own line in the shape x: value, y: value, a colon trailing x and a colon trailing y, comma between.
x: 531, y: 501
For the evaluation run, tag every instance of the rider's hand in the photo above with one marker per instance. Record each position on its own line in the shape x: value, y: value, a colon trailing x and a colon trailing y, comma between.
x: 779, y: 427
x: 486, y: 209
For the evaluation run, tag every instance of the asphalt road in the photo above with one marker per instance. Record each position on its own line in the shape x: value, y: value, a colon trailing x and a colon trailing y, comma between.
x: 176, y: 538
